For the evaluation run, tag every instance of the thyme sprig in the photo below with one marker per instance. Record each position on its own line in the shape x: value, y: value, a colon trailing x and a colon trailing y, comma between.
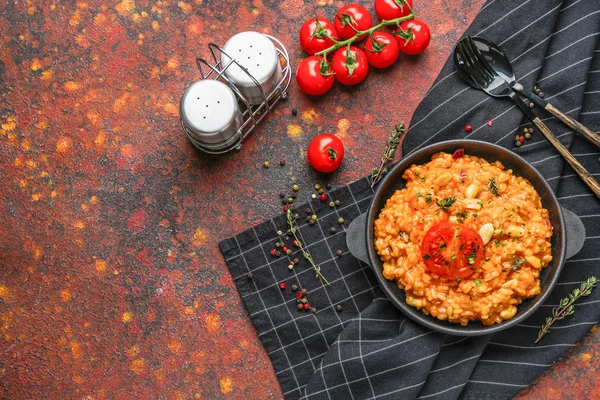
x: 291, y: 221
x: 566, y: 307
x: 388, y: 153
x: 446, y: 203
x: 492, y: 186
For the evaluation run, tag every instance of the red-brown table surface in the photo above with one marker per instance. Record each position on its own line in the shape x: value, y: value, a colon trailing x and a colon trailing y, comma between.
x: 111, y: 282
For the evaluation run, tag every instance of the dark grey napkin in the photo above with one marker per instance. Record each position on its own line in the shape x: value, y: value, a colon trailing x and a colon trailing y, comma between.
x: 370, y: 349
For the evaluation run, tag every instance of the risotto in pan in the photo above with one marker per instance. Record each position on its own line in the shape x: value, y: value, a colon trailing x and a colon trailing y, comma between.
x: 465, y: 239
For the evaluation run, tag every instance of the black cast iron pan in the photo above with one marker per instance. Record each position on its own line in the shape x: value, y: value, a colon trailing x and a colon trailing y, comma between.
x: 567, y: 239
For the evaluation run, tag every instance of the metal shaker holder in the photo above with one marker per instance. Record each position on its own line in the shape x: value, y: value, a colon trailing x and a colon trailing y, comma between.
x: 252, y: 114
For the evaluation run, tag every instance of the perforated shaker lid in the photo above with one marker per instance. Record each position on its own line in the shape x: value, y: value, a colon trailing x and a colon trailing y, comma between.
x: 208, y: 108
x: 254, y: 51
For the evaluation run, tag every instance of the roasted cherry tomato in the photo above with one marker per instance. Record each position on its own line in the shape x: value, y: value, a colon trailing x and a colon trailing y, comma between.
x: 350, y: 67
x: 392, y: 9
x: 352, y: 15
x: 413, y: 36
x: 315, y: 35
x: 381, y: 49
x: 325, y: 152
x: 452, y: 251
x: 314, y: 76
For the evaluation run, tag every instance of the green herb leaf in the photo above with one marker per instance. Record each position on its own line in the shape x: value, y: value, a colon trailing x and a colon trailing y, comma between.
x: 426, y: 257
x: 477, y: 282
x: 446, y: 203
x: 492, y: 186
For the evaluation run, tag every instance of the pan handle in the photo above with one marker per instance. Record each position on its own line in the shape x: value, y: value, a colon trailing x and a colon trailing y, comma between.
x: 356, y: 238
x: 575, y: 232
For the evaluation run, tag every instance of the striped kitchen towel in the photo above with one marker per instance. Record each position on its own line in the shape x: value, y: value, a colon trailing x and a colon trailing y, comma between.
x: 370, y: 350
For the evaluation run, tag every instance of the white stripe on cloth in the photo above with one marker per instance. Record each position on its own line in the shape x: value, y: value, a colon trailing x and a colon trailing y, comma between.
x: 442, y: 391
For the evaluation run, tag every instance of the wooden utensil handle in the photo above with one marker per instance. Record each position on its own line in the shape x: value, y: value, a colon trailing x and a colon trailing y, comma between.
x: 576, y: 165
x: 574, y: 124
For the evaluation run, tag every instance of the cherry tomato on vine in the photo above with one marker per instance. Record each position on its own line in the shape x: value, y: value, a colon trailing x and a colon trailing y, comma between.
x: 325, y: 152
x: 413, y: 36
x: 350, y: 67
x: 314, y: 76
x: 382, y: 49
x: 452, y: 251
x: 315, y: 35
x: 352, y: 15
x: 392, y: 9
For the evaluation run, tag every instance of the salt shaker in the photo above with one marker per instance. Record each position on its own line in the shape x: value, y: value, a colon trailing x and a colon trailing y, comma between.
x: 257, y: 54
x: 210, y: 116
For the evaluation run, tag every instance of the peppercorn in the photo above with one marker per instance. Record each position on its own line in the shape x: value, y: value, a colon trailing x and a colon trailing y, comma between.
x: 293, y: 195
x: 321, y: 191
x: 290, y: 200
x: 282, y: 162
x: 282, y: 285
x: 266, y: 164
x: 337, y: 203
x: 308, y: 210
x: 314, y: 217
x: 273, y: 252
x: 304, y: 291
x: 328, y: 186
x: 295, y: 188
x: 541, y: 94
x: 311, y: 222
x: 278, y: 244
x: 288, y: 252
x: 536, y: 89
x: 300, y: 306
x: 294, y: 287
x: 284, y: 249
x: 282, y: 195
x: 291, y: 267
x: 340, y: 220
x: 313, y: 310
x: 521, y: 139
x: 468, y: 128
x: 250, y: 275
x: 332, y: 229
x: 518, y: 143
x: 287, y: 237
x: 331, y: 204
x: 304, y: 301
x: 339, y: 252
x: 296, y: 243
x: 306, y: 306
x: 527, y: 136
x: 296, y: 260
x: 296, y: 215
x: 339, y: 307
x: 279, y: 233
x: 299, y: 295
x: 531, y: 105
x: 489, y: 122
x: 516, y: 138
x: 294, y: 112
x: 307, y: 219
x: 531, y: 130
x: 277, y: 253
x: 323, y: 197
x: 313, y: 196
x: 317, y: 186
x: 284, y: 201
x: 525, y: 130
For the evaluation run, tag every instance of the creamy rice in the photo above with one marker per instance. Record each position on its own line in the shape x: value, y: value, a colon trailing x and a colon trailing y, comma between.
x: 514, y: 220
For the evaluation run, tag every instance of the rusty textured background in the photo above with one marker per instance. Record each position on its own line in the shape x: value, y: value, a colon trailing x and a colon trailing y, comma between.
x: 111, y: 283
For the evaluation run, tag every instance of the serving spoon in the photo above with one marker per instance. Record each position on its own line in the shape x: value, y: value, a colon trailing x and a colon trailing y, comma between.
x: 494, y: 58
x: 480, y: 77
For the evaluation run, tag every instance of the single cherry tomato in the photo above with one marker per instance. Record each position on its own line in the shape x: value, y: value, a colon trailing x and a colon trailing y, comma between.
x: 392, y: 9
x: 382, y: 49
x: 316, y: 35
x: 325, y: 152
x: 314, y: 76
x: 350, y: 67
x: 452, y: 251
x: 352, y: 15
x: 413, y: 36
